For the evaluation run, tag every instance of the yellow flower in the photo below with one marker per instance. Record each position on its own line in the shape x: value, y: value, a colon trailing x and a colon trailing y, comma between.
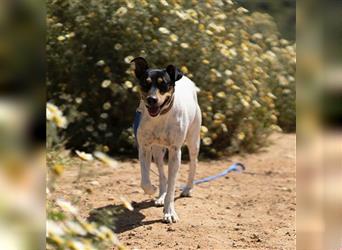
x: 54, y: 114
x: 228, y: 72
x: 121, y: 11
x: 184, y: 45
x: 244, y: 103
x: 201, y: 27
x: 70, y: 35
x: 75, y: 228
x: 241, y: 136
x: 257, y: 36
x: 225, y: 52
x: 207, y: 141
x: 128, y: 84
x: 164, y: 30
x: 84, y: 156
x: 184, y: 69
x: 209, y: 32
x: 216, y: 72
x: 219, y: 116
x: 106, y: 159
x: 105, y: 148
x: 235, y: 87
x: 53, y: 228
x: 105, y: 83
x: 66, y: 206
x: 130, y: 4
x: 174, y: 37
x: 204, y: 129
x: 58, y: 169
x: 256, y: 104
x: 126, y: 203
x: 221, y: 94
x: 76, y: 245
x: 205, y: 61
x: 117, y: 46
x: 269, y: 94
x: 164, y: 2
x: 128, y: 59
x: 61, y: 38
x: 106, y: 106
x: 100, y: 63
x: 216, y: 28
x: 220, y: 16
x: 242, y: 10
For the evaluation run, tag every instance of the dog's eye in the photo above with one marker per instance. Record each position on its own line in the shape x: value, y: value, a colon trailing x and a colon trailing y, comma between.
x: 144, y: 86
x: 163, y: 87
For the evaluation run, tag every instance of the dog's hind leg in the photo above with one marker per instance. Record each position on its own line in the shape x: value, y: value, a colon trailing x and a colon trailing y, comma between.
x: 193, y: 144
x: 158, y: 156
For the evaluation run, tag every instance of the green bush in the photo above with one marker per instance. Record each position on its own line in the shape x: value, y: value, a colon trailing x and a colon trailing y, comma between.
x: 237, y: 60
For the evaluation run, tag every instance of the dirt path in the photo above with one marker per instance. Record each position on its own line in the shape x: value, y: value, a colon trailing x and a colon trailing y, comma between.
x: 252, y: 210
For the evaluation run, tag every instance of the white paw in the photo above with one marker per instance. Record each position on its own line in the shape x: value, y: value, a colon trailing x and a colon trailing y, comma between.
x: 170, y: 216
x: 186, y: 192
x: 160, y: 201
x: 149, y: 189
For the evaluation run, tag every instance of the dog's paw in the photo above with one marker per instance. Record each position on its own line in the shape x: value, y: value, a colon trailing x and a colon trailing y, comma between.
x: 149, y: 189
x: 186, y: 192
x: 159, y: 202
x: 170, y: 216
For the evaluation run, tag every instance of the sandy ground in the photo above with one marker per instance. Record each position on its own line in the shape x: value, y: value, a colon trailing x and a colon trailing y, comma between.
x: 250, y: 210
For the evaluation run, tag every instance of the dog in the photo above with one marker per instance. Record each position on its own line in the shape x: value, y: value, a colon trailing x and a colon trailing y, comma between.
x: 170, y: 117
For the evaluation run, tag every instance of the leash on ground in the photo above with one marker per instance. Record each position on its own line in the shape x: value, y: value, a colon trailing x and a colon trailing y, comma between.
x: 236, y: 167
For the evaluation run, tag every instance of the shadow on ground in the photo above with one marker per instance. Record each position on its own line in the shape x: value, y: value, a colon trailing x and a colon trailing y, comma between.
x: 120, y: 219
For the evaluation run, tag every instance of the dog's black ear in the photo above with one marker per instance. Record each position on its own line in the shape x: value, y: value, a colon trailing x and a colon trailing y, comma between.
x: 174, y: 73
x: 140, y: 66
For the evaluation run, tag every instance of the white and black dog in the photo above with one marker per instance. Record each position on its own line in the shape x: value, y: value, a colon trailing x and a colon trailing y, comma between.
x: 170, y: 117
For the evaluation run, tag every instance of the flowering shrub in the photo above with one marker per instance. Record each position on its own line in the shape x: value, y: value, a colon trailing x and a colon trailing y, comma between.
x: 244, y: 71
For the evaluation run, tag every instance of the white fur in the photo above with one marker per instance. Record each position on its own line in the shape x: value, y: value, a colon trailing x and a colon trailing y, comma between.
x: 171, y: 130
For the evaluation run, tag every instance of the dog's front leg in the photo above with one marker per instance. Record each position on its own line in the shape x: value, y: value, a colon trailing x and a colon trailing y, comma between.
x: 169, y: 205
x: 145, y: 164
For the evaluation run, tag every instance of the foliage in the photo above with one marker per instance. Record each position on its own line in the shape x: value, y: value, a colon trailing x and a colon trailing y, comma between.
x: 283, y: 12
x: 237, y: 60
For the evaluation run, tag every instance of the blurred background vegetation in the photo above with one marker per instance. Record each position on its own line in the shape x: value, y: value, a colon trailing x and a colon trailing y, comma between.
x: 243, y: 62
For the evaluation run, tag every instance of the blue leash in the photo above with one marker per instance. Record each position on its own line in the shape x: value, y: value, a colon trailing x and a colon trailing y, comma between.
x: 237, y: 167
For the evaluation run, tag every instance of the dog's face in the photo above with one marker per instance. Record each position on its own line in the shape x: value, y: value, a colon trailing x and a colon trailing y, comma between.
x: 157, y: 86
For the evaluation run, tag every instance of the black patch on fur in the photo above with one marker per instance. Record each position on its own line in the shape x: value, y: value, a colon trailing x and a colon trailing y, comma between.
x: 163, y: 79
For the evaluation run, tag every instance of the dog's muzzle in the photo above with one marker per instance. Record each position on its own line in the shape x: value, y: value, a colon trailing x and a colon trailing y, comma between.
x: 155, y: 110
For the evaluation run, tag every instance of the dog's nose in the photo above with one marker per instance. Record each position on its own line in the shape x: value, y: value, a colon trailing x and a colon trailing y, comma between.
x: 151, y: 100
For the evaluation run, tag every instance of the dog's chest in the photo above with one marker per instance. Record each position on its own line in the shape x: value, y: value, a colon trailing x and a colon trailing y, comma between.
x: 164, y: 134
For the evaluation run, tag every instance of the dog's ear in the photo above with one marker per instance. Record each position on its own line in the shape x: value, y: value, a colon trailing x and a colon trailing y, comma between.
x: 140, y: 67
x: 174, y: 73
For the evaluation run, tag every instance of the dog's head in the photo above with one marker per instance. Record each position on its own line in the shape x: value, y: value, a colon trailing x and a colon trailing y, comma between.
x: 157, y: 86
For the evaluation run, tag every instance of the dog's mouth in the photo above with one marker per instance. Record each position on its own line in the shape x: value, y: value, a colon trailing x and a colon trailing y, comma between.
x: 153, y: 111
